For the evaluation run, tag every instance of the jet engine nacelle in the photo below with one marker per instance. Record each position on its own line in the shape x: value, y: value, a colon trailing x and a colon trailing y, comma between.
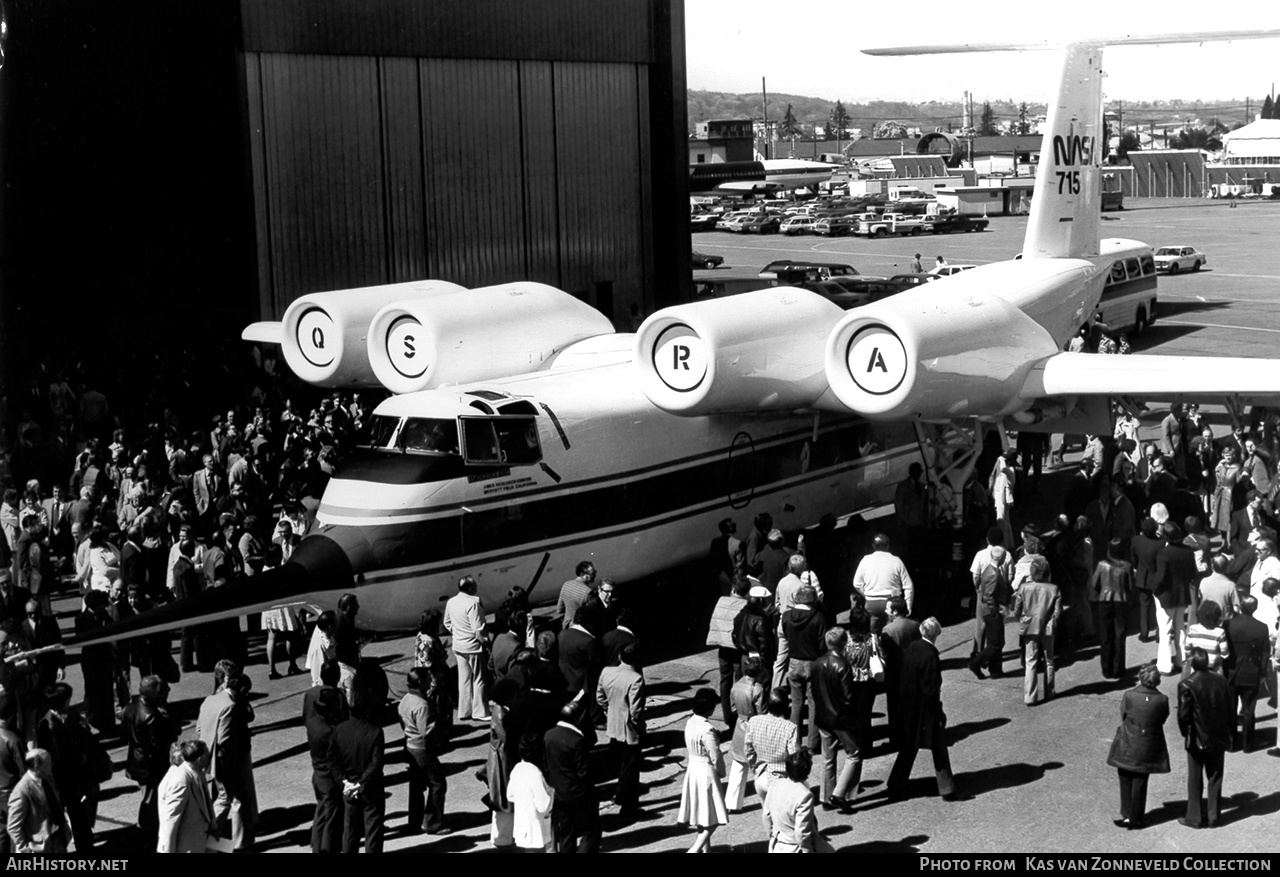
x: 934, y: 356
x: 494, y: 331
x: 759, y: 350
x: 323, y: 333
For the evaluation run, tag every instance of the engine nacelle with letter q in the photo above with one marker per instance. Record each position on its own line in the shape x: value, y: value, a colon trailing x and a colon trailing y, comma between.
x: 323, y: 333
x: 494, y: 331
x: 755, y: 351
x: 934, y: 355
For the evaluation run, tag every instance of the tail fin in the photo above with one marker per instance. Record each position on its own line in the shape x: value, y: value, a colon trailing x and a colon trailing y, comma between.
x: 1066, y: 210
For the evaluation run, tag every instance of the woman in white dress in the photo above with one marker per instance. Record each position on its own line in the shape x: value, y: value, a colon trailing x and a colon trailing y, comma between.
x: 702, y: 800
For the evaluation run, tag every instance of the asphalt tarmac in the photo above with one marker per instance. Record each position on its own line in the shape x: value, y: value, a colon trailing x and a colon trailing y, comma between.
x: 1032, y: 779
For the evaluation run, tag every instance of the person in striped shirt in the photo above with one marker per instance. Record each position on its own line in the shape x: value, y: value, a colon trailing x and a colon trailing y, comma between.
x: 1209, y: 634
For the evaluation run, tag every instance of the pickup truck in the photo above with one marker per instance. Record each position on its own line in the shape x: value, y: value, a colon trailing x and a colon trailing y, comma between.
x: 949, y: 222
x: 892, y: 223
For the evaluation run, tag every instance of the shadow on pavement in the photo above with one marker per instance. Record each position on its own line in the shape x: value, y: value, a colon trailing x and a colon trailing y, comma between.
x: 1006, y: 776
x: 965, y: 730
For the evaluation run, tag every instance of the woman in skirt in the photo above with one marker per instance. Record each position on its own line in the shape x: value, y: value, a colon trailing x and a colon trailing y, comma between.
x: 282, y: 621
x: 702, y: 800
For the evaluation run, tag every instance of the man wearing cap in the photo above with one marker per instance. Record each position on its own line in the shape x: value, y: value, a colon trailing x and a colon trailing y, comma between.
x: 804, y: 626
x: 754, y: 628
x: 1038, y: 605
x: 881, y: 576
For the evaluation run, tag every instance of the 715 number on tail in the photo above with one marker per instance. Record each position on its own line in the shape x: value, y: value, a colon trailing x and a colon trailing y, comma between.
x: 1068, y: 182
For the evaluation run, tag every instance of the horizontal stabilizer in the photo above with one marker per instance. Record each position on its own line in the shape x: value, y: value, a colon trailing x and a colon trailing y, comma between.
x: 1153, y: 377
x: 1204, y: 36
x: 266, y: 332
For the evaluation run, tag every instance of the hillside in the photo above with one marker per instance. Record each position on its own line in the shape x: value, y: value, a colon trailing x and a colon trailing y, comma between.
x: 707, y: 105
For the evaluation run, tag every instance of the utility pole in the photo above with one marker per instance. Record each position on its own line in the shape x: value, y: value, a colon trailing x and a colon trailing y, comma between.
x: 764, y: 90
x: 1246, y: 110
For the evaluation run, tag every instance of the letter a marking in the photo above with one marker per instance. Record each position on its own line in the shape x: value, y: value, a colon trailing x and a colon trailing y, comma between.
x: 876, y: 361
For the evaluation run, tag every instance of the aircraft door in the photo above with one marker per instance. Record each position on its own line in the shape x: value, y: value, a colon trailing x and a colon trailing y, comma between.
x: 742, y: 470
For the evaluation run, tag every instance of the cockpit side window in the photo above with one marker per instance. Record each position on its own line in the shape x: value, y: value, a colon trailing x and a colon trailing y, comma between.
x: 503, y: 440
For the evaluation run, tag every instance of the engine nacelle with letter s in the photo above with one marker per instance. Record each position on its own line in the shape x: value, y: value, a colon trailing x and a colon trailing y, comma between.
x: 509, y: 329
x: 935, y: 356
x: 755, y: 351
x: 323, y: 333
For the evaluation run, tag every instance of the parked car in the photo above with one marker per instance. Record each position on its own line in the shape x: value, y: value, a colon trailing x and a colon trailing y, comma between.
x: 906, y: 281
x: 703, y: 222
x: 703, y: 260
x: 832, y: 269
x: 948, y: 270
x: 1180, y: 258
x: 834, y: 226
x: 760, y: 225
x: 948, y: 222
x: 797, y: 224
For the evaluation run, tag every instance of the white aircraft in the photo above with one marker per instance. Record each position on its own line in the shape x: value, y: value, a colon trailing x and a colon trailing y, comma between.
x: 526, y: 436
x: 762, y: 177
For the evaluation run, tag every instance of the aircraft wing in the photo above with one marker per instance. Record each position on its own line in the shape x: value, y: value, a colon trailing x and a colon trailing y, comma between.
x: 748, y: 187
x: 1152, y: 377
x: 266, y: 332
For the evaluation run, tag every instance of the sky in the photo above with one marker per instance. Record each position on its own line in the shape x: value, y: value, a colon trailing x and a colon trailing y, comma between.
x: 731, y: 44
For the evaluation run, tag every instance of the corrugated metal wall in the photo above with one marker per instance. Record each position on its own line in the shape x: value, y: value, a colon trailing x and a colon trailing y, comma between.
x: 377, y: 170
x: 1168, y: 175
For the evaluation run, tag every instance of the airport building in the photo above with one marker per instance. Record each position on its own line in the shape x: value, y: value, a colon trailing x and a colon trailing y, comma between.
x: 192, y: 167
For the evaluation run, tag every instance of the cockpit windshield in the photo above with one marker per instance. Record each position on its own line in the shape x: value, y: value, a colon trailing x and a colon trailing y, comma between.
x: 431, y: 435
x: 487, y: 440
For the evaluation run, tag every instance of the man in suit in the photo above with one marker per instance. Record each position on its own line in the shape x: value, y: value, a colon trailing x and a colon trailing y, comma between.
x: 186, y: 813
x: 1176, y: 573
x: 621, y: 694
x: 620, y: 637
x: 1205, y: 720
x: 1038, y: 605
x: 725, y: 556
x: 575, y: 813
x: 150, y: 731
x: 55, y: 511
x: 1244, y: 521
x: 230, y: 764
x: 13, y: 754
x: 899, y: 633
x: 923, y: 721
x: 207, y: 487
x: 581, y: 656
x: 37, y: 822
x: 831, y: 680
x: 1250, y: 643
x: 1146, y: 550
x: 464, y: 618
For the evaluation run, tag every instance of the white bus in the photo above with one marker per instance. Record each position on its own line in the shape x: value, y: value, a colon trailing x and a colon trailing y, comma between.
x: 1128, y: 302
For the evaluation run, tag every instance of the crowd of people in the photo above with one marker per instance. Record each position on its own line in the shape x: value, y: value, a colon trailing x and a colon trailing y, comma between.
x: 127, y: 503
x: 1175, y: 538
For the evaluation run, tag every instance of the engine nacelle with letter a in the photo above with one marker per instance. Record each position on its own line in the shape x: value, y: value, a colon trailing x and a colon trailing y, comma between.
x: 750, y: 352
x: 928, y: 355
x: 491, y: 332
x: 323, y: 333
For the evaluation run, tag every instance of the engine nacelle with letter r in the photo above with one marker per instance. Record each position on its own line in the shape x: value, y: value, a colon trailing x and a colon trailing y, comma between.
x: 323, y: 333
x: 750, y: 352
x: 494, y: 331
x: 933, y: 356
